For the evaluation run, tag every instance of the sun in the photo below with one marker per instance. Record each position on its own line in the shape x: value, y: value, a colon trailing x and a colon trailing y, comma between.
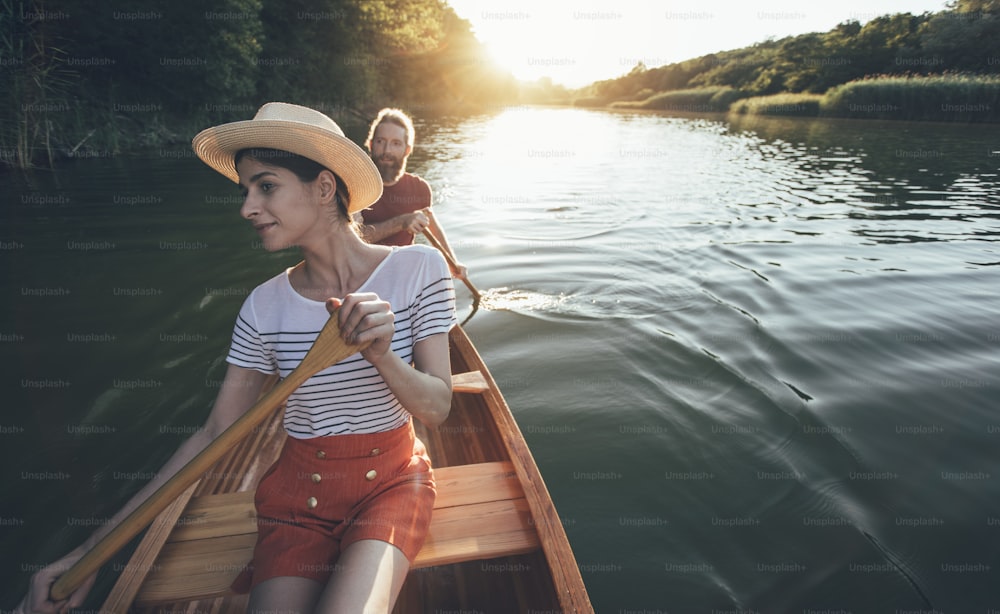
x: 572, y: 43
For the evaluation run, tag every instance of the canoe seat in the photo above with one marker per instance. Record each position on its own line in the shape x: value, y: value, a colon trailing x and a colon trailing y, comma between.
x: 470, y: 381
x: 480, y: 513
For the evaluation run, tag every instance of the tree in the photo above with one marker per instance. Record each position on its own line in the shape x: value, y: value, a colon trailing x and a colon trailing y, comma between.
x: 313, y: 54
x: 967, y: 39
x: 440, y: 64
x: 155, y: 71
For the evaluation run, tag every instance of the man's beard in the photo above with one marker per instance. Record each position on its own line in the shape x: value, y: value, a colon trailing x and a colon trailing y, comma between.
x: 391, y: 169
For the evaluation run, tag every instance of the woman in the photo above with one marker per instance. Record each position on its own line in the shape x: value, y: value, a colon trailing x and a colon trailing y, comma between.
x: 345, y: 509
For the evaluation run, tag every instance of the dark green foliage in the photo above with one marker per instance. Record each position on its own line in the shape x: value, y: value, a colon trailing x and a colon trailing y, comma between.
x: 96, y: 80
x: 37, y: 81
x: 313, y: 53
x: 111, y: 74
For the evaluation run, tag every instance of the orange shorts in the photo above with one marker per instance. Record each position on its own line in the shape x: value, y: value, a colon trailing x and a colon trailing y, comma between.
x: 326, y: 493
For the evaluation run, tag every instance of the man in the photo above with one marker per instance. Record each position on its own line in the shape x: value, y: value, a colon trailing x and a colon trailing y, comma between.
x: 405, y: 207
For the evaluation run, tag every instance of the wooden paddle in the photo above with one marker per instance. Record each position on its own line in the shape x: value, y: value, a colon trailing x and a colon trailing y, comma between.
x: 328, y: 350
x: 476, y: 297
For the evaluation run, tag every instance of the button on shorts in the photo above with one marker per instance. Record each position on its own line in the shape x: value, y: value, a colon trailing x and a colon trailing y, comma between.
x: 325, y: 493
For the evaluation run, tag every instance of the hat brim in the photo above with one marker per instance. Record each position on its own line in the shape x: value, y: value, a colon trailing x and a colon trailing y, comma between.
x: 217, y: 147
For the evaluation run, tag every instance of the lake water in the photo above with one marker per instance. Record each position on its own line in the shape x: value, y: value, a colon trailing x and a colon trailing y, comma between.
x: 757, y: 361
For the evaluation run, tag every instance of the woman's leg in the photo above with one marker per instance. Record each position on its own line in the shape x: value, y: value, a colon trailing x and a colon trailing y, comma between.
x: 285, y: 594
x: 367, y: 579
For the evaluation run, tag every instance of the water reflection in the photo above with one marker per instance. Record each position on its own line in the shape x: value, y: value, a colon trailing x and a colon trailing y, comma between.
x: 894, y: 183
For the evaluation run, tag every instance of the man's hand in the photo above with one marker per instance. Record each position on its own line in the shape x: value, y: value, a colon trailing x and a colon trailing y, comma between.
x: 416, y: 222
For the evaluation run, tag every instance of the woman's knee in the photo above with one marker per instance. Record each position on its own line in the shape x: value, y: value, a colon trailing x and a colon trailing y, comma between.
x: 368, y: 578
x: 284, y: 594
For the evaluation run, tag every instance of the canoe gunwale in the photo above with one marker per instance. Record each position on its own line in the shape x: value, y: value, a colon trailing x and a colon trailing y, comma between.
x: 569, y: 586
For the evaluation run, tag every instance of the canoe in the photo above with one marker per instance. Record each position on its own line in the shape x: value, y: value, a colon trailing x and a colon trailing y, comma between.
x: 496, y: 542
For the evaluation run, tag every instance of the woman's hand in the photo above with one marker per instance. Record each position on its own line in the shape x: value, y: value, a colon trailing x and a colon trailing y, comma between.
x: 38, y: 599
x: 365, y: 317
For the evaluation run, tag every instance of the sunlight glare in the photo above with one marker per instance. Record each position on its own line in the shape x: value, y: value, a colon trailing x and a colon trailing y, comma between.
x: 505, y: 299
x: 493, y: 241
x: 505, y: 173
x: 578, y: 42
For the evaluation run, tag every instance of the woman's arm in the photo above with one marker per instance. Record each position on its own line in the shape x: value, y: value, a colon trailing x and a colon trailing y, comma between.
x: 239, y: 391
x: 425, y: 391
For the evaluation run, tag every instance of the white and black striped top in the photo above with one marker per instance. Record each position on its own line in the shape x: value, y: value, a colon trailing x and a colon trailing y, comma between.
x: 277, y: 326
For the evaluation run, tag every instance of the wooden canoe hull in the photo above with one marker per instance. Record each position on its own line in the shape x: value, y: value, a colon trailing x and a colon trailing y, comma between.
x: 535, y: 569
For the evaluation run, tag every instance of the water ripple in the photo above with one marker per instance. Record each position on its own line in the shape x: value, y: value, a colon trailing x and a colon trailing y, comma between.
x: 780, y: 335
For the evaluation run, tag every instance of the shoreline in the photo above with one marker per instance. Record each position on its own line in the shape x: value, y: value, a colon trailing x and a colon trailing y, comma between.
x: 969, y: 99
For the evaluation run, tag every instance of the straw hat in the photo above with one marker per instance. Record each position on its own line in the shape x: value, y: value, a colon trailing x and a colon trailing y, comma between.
x: 299, y: 130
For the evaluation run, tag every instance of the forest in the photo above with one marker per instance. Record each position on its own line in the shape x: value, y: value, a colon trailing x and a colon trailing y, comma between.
x: 101, y: 80
x: 92, y: 80
x: 934, y: 66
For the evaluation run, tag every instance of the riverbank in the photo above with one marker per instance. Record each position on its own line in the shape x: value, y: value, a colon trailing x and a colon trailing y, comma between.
x: 959, y: 98
x: 101, y: 132
x: 89, y: 132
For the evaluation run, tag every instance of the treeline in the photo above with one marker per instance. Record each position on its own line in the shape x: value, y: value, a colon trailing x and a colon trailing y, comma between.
x: 97, y: 80
x: 947, y: 55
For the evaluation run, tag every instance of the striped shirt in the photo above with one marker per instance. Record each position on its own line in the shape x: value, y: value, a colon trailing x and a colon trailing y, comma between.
x: 277, y: 326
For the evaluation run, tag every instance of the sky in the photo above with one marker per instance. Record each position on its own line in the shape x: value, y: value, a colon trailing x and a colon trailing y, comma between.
x: 577, y: 42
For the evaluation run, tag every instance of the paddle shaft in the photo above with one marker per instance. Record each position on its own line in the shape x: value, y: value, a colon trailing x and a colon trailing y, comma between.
x: 451, y: 261
x: 328, y: 347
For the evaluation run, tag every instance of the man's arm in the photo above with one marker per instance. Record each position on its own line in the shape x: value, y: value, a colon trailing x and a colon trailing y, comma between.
x: 435, y: 229
x: 413, y: 223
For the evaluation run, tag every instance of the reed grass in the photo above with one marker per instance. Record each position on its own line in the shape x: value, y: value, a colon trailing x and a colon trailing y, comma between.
x: 35, y: 91
x: 950, y: 97
x: 805, y: 105
x: 700, y: 100
x: 965, y: 98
